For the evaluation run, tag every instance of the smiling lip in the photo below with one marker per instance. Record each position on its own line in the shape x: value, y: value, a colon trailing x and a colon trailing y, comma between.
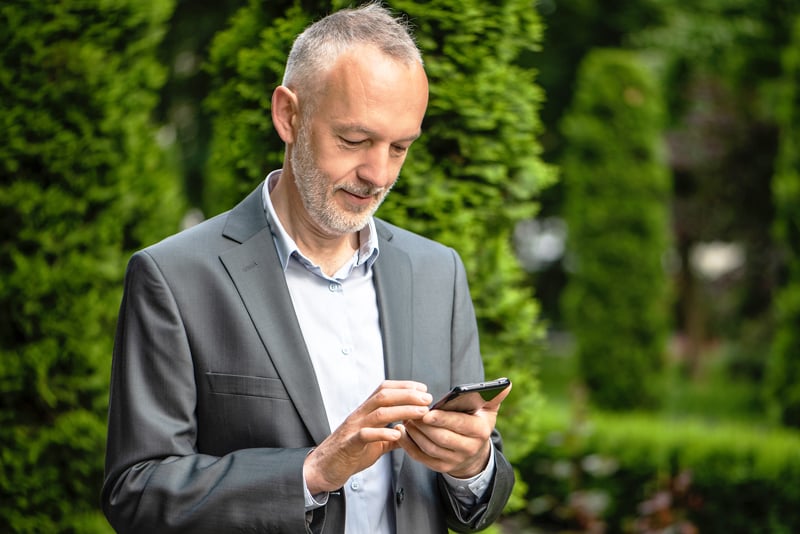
x: 360, y: 198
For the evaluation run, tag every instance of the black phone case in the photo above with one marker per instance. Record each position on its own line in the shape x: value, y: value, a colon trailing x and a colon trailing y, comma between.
x: 469, y: 398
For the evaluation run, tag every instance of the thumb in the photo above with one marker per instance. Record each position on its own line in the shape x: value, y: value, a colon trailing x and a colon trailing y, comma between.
x: 494, y: 404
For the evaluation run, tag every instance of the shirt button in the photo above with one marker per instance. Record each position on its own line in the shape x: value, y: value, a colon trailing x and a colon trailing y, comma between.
x: 354, y: 485
x: 346, y: 350
x: 334, y: 287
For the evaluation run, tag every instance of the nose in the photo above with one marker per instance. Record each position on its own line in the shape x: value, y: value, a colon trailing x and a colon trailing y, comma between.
x: 379, y: 168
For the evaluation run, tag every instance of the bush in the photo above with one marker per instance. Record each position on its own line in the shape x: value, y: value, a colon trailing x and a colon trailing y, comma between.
x: 634, y: 471
x: 784, y: 368
x: 616, y: 205
x: 83, y: 183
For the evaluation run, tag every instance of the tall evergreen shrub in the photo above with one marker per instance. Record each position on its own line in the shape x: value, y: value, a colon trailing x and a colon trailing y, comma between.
x: 616, y: 196
x: 83, y: 183
x: 783, y: 380
x: 474, y: 173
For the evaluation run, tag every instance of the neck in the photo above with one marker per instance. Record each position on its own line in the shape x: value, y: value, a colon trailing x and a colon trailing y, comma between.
x: 329, y: 251
x: 329, y: 254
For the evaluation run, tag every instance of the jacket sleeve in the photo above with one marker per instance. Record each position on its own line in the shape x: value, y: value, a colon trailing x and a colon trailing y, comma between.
x: 466, y: 366
x: 156, y: 481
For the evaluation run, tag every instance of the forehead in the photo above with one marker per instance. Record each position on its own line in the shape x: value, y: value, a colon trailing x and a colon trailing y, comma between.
x: 367, y: 89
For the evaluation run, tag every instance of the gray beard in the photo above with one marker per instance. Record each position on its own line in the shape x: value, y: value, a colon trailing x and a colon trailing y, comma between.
x: 317, y: 198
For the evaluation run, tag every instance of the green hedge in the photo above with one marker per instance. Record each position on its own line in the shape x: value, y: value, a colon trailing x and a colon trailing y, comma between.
x: 636, y: 469
x: 617, y: 193
x: 83, y: 183
x: 784, y: 368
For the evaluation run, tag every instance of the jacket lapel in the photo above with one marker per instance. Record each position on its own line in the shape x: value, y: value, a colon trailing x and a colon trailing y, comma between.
x: 256, y: 272
x: 394, y: 289
x: 395, y: 292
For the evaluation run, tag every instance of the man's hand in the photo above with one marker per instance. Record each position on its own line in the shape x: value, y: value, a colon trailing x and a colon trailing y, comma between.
x: 365, y: 435
x: 452, y: 442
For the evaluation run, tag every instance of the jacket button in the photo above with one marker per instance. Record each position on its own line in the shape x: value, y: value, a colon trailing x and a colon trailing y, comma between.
x: 400, y: 496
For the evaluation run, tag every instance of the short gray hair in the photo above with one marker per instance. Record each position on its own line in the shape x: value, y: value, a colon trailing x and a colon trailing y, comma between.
x: 320, y: 45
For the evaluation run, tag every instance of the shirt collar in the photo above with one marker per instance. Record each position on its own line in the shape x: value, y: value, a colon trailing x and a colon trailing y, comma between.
x: 368, y: 237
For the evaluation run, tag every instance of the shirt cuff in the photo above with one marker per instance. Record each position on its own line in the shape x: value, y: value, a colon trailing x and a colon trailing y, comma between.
x: 469, y: 491
x: 314, y: 501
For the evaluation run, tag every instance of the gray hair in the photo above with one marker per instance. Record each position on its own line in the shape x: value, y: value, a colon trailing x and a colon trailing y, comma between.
x: 320, y: 45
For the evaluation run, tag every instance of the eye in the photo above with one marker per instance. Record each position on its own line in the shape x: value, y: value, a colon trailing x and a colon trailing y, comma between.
x: 399, y: 150
x: 351, y: 143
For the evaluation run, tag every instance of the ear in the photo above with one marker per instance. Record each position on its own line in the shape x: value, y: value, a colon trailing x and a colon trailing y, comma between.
x: 285, y: 113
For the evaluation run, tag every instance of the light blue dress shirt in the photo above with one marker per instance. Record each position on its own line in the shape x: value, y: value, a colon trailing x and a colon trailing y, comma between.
x: 338, y: 316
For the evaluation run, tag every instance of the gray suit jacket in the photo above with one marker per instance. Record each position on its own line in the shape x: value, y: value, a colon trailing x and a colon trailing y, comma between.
x: 214, y: 403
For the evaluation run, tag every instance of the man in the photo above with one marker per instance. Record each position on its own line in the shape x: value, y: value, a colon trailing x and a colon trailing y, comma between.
x: 274, y: 365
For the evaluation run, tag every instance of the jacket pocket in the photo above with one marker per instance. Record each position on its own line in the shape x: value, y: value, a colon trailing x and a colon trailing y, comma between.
x: 249, y: 386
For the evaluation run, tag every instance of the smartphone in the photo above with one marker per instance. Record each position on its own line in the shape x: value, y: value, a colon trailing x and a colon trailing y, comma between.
x: 469, y: 398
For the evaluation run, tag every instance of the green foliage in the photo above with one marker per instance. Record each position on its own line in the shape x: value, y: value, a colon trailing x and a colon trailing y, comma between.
x: 719, y: 62
x: 720, y: 65
x: 720, y: 478
x: 617, y: 192
x: 475, y: 172
x: 246, y: 63
x: 572, y: 29
x: 185, y: 47
x: 784, y: 368
x: 83, y: 183
x: 733, y: 38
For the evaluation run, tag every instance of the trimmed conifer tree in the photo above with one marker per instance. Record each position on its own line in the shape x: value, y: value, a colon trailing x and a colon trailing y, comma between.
x: 616, y: 202
x: 83, y: 183
x: 783, y: 379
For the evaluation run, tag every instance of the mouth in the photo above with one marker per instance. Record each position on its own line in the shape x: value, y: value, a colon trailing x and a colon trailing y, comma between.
x: 359, y: 195
x: 357, y: 203
x: 362, y: 197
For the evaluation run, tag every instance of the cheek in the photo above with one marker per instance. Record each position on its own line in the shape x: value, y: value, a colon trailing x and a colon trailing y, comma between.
x: 395, y: 165
x: 338, y: 166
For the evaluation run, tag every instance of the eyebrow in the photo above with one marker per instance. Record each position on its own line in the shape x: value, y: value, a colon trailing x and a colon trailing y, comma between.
x: 357, y: 128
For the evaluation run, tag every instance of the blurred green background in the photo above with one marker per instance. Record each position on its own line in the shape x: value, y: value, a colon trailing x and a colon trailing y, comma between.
x: 622, y: 180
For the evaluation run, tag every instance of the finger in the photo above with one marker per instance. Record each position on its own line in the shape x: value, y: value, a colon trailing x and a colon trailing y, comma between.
x: 494, y: 404
x: 446, y: 428
x: 371, y: 435
x: 403, y: 384
x: 391, y: 396
x: 434, y: 442
x: 441, y: 463
x: 409, y: 443
x: 389, y: 416
x: 388, y: 406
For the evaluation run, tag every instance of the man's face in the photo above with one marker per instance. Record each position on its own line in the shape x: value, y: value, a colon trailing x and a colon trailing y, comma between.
x: 348, y: 152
